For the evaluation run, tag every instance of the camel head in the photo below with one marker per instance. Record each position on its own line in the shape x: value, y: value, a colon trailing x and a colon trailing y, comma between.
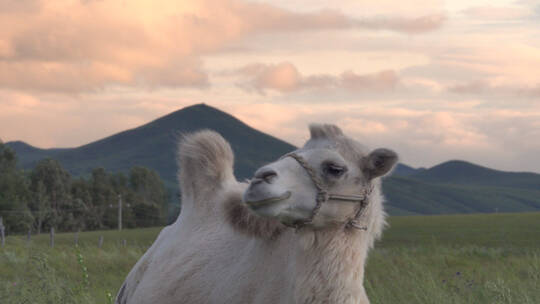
x: 321, y: 184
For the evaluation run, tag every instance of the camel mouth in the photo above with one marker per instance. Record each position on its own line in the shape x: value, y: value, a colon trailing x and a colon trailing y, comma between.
x: 267, y: 201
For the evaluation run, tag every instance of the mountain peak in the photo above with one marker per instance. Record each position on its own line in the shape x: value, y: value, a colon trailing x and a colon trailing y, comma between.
x: 196, y: 106
x: 457, y: 164
x: 154, y: 145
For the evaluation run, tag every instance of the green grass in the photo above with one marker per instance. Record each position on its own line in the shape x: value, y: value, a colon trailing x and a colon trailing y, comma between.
x: 442, y: 275
x: 477, y: 258
x: 35, y: 273
x: 488, y: 259
x: 509, y: 231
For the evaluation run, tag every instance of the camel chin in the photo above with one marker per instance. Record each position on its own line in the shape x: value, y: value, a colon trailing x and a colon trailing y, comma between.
x: 270, y: 201
x: 266, y: 201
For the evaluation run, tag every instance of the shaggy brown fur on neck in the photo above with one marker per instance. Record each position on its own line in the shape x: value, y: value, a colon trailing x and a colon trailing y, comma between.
x: 243, y: 220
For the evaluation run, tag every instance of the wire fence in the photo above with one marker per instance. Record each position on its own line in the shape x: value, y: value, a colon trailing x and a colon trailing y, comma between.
x: 99, y: 240
x: 129, y: 219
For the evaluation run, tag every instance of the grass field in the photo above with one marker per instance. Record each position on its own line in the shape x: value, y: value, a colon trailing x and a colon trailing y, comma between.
x: 491, y: 259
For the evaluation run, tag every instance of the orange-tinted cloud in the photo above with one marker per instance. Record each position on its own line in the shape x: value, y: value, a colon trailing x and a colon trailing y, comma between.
x: 485, y: 88
x: 80, y: 46
x: 497, y: 12
x: 285, y: 77
x: 383, y: 80
x: 406, y: 25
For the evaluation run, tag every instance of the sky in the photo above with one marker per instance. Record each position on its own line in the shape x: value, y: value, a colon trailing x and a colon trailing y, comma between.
x: 433, y: 80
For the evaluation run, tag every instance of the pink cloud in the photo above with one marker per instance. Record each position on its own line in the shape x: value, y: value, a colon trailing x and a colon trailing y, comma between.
x: 497, y: 12
x: 485, y: 88
x: 406, y: 25
x: 80, y: 46
x: 267, y: 17
x: 286, y: 78
x: 383, y: 80
x: 281, y: 77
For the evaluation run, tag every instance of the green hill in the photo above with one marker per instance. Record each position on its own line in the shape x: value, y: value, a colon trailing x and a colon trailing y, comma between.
x: 410, y: 196
x: 461, y: 187
x: 154, y: 145
x: 29, y: 155
x: 451, y: 187
x: 465, y: 173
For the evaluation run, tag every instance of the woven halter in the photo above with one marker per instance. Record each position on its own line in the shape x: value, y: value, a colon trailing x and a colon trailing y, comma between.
x: 323, y: 196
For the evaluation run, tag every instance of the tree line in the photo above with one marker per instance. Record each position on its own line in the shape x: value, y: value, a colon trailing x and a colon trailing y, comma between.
x: 48, y: 196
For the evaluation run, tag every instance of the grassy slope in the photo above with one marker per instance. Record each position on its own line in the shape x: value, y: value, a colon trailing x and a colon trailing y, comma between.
x: 431, y: 259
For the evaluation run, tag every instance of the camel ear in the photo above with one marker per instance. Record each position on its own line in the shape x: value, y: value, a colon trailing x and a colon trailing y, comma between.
x: 379, y: 162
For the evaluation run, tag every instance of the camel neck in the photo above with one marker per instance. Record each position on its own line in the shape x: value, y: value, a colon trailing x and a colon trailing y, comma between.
x: 330, y: 267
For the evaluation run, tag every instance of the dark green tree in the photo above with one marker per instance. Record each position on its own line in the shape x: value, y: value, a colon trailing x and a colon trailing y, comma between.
x: 150, y: 197
x: 52, y: 205
x: 14, y: 193
x: 82, y: 215
x: 104, y: 198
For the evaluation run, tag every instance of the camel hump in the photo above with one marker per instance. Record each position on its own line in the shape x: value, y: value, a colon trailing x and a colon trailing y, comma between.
x: 205, y: 162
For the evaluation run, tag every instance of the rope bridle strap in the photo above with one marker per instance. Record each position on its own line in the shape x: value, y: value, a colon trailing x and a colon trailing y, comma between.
x: 323, y: 196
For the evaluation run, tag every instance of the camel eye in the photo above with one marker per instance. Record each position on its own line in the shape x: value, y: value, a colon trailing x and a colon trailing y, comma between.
x: 334, y: 170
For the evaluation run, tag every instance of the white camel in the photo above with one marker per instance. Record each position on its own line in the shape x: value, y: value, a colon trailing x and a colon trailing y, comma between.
x: 298, y: 232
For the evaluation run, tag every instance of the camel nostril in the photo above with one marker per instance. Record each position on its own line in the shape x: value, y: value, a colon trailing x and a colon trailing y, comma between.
x: 266, y: 175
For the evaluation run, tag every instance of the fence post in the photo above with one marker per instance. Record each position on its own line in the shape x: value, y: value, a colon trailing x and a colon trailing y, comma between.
x: 100, y: 243
x: 119, y: 212
x: 124, y: 242
x: 29, y: 236
x: 77, y: 237
x: 2, y: 232
x: 52, y: 237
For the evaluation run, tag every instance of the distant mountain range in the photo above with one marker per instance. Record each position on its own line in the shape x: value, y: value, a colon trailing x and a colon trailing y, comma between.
x: 451, y: 187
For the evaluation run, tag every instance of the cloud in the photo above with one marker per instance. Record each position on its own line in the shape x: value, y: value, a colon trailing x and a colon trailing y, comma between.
x: 285, y: 77
x: 363, y: 8
x: 81, y: 46
x: 270, y: 18
x: 282, y: 77
x: 17, y: 6
x: 406, y: 25
x: 383, y: 80
x: 504, y: 91
x: 497, y: 12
